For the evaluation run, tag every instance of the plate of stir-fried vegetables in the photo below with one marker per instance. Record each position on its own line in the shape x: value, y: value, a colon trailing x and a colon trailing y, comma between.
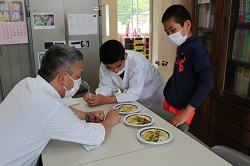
x: 127, y: 108
x: 154, y: 135
x: 138, y: 120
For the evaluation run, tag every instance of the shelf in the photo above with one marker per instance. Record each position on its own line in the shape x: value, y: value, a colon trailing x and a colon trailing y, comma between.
x: 225, y: 114
x: 206, y: 30
x: 205, y: 37
x: 139, y: 44
x: 245, y: 25
x: 239, y: 62
x: 205, y: 34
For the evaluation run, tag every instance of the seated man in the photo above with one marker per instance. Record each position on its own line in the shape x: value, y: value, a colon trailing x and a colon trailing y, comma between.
x: 129, y: 71
x: 33, y: 112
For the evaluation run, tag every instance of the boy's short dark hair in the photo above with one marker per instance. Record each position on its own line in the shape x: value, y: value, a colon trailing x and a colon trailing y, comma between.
x: 111, y: 52
x: 178, y: 12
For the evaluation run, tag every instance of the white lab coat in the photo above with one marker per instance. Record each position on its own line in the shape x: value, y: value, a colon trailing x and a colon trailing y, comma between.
x: 142, y: 82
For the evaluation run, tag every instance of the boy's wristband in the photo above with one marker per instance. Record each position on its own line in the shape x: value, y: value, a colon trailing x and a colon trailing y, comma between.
x: 87, y: 116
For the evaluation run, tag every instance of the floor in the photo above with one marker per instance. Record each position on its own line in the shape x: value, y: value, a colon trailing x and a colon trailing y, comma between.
x: 188, y: 133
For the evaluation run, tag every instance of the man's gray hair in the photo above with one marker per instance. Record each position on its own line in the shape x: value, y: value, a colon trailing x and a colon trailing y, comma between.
x: 59, y: 58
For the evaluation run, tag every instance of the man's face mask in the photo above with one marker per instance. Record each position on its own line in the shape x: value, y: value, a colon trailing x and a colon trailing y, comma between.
x: 72, y: 92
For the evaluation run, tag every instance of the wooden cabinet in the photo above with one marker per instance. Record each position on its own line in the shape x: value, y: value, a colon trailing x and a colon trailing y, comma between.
x: 139, y: 44
x: 224, y: 117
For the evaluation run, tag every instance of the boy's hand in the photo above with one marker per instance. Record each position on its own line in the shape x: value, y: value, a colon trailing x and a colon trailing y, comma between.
x: 86, y: 96
x: 183, y: 117
x: 95, y: 100
x: 180, y: 119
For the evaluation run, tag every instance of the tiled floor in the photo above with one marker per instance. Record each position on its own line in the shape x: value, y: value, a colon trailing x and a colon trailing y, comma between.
x: 188, y: 133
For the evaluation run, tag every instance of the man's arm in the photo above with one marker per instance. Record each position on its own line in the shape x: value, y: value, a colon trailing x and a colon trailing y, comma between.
x: 94, y: 116
x: 112, y: 118
x: 80, y: 114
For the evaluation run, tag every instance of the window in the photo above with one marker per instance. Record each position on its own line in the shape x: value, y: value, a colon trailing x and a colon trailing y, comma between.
x: 134, y: 14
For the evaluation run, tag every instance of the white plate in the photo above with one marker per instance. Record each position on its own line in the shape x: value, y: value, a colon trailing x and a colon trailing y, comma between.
x: 128, y: 117
x: 127, y: 107
x: 161, y: 139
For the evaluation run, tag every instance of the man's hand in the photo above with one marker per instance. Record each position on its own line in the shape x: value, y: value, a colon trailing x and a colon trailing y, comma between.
x: 112, y: 118
x: 96, y: 116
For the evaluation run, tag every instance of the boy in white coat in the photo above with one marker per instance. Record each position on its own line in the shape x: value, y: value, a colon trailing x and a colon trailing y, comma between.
x: 129, y: 71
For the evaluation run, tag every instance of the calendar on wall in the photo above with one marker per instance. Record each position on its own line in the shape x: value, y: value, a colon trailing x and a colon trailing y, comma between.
x: 13, y: 27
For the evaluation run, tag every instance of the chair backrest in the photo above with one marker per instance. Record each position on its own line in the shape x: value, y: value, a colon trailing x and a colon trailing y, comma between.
x: 232, y: 156
x: 168, y: 116
x: 84, y: 87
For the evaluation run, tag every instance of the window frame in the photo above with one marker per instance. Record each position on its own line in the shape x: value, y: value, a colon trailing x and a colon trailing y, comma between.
x: 131, y: 14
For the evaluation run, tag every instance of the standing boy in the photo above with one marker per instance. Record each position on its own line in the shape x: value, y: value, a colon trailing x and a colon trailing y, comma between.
x: 191, y: 80
x: 129, y: 71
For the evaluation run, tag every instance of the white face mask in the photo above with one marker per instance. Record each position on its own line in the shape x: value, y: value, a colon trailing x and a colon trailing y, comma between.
x: 177, y: 38
x: 72, y: 92
x: 121, y: 71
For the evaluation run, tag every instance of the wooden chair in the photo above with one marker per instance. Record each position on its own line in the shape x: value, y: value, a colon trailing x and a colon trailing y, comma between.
x: 232, y: 156
x: 168, y: 116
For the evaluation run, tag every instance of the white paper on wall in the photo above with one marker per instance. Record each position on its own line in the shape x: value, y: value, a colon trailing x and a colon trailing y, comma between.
x: 82, y: 24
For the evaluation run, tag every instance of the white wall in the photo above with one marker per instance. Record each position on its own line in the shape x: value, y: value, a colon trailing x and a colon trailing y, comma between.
x: 161, y: 47
x: 112, y: 5
x: 187, y: 3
